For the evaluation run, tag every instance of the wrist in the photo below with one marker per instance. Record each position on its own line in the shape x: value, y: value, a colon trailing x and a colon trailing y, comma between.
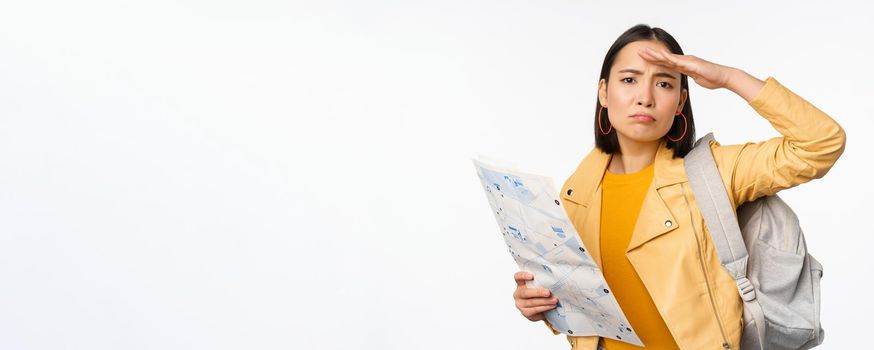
x: 733, y: 76
x: 743, y: 84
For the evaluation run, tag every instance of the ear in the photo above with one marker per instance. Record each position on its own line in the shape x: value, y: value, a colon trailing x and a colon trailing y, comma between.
x: 683, y: 96
x: 602, y: 92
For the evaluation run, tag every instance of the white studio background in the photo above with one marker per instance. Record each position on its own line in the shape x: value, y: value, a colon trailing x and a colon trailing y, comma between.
x: 284, y: 175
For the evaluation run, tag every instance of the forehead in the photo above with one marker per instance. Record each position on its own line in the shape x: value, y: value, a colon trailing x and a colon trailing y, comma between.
x: 629, y: 58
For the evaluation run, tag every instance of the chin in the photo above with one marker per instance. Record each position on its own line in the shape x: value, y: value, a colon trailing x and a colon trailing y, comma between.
x: 644, y: 137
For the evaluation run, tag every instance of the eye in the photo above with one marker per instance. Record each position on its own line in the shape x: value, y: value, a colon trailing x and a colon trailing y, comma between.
x: 626, y: 79
x: 667, y: 84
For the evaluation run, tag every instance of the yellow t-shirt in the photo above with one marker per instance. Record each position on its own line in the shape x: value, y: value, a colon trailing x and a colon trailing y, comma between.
x: 622, y: 197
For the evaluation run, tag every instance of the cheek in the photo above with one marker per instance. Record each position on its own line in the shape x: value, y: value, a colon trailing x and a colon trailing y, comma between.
x: 619, y: 97
x: 667, y: 122
x: 667, y: 109
x: 619, y: 102
x: 668, y: 104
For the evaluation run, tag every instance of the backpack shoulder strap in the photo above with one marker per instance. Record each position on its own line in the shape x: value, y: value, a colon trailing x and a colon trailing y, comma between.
x: 715, y: 206
x: 721, y: 221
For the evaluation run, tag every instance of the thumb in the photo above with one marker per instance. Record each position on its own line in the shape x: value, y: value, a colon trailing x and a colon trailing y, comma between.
x: 523, y: 276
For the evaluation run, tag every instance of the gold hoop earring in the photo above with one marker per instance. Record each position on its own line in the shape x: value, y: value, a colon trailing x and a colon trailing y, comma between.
x: 685, y: 127
x: 599, y: 123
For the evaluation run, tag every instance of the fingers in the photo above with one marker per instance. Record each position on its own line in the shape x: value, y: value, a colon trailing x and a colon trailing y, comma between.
x: 536, y: 313
x: 523, y: 276
x: 650, y: 55
x: 536, y: 302
x: 523, y: 292
x: 527, y: 293
x: 532, y: 302
x: 536, y: 310
x: 665, y: 59
x: 533, y: 297
x: 658, y: 57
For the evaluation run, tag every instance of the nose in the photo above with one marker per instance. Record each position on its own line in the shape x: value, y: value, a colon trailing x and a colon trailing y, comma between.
x: 645, y: 96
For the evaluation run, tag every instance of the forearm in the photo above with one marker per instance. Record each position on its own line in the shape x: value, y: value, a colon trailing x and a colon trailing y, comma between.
x: 810, y: 145
x: 804, y: 125
x: 744, y: 84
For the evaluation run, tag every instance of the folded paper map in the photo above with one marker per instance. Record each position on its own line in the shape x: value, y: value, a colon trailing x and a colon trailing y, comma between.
x: 543, y: 241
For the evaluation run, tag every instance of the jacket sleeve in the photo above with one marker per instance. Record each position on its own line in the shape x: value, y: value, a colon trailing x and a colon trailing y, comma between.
x: 811, y: 143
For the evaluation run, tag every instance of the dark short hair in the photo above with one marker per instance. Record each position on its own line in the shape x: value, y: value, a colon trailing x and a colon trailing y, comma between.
x: 610, y: 143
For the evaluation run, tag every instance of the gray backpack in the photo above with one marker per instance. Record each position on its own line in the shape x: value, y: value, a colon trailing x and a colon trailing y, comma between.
x: 763, y: 248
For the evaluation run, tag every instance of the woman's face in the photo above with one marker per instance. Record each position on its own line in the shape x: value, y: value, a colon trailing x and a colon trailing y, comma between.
x: 637, y: 87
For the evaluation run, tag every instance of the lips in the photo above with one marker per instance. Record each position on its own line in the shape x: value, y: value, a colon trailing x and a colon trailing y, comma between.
x: 643, y: 117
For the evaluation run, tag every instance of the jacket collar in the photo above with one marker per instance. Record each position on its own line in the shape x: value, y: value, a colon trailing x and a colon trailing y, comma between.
x: 589, y: 173
x: 655, y: 219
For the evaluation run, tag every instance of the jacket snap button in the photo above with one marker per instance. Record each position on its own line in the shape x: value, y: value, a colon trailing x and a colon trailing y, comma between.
x: 569, y: 191
x: 668, y: 223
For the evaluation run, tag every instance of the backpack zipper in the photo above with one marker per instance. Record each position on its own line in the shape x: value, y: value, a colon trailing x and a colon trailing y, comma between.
x: 725, y: 344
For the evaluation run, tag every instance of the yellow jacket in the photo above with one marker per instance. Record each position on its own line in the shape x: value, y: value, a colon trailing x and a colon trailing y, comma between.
x: 671, y: 247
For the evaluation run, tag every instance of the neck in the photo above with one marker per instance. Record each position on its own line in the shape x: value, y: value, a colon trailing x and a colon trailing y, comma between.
x: 635, y: 156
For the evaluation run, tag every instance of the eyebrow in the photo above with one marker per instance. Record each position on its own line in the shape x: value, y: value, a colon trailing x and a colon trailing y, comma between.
x: 659, y: 74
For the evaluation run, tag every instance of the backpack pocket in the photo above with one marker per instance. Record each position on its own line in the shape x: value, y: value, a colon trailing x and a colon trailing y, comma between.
x: 784, y: 292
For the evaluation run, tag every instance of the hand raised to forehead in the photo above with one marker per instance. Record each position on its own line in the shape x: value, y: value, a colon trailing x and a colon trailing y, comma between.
x: 705, y: 73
